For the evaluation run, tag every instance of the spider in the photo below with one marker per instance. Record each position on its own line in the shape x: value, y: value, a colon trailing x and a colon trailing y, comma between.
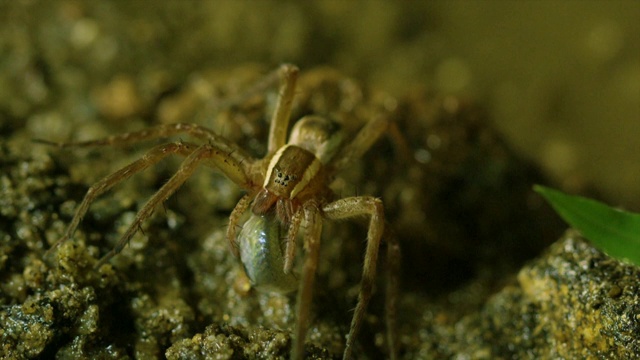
x: 289, y: 186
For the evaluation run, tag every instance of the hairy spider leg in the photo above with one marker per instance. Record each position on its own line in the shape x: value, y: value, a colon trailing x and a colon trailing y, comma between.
x: 312, y: 237
x: 282, y: 114
x: 364, y: 139
x: 236, y: 155
x: 213, y: 156
x: 150, y: 158
x: 155, y: 132
x: 258, y: 87
x: 353, y: 207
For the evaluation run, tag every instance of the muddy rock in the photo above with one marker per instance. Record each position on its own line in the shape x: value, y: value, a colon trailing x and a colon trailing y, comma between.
x: 572, y: 302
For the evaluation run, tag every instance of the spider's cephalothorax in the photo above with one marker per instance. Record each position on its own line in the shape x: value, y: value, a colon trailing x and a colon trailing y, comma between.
x: 287, y: 187
x: 296, y: 172
x: 293, y: 176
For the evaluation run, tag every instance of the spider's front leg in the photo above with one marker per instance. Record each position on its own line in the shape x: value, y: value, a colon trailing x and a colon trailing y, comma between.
x: 219, y: 153
x: 150, y: 158
x: 237, y: 169
x: 373, y: 208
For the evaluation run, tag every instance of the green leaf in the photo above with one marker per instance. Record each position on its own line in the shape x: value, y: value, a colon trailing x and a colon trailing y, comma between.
x: 614, y: 231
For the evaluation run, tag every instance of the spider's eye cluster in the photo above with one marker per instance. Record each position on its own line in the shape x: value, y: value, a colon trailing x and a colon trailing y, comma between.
x: 283, y: 179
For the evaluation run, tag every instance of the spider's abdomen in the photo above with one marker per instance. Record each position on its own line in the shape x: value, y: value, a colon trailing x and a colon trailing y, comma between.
x: 261, y: 253
x: 319, y: 135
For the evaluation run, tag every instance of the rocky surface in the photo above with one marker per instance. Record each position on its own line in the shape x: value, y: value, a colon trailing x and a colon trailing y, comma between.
x: 572, y: 302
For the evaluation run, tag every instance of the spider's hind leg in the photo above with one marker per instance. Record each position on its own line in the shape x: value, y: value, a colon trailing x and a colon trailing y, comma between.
x: 364, y: 139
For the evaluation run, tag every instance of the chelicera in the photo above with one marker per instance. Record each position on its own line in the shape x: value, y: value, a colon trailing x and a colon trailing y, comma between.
x: 288, y: 187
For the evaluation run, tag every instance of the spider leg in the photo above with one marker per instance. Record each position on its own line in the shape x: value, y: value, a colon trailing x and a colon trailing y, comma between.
x: 258, y: 87
x: 207, y: 153
x: 305, y: 291
x: 366, y: 137
x: 352, y: 207
x: 234, y: 217
x: 150, y: 158
x: 282, y: 114
x: 156, y: 132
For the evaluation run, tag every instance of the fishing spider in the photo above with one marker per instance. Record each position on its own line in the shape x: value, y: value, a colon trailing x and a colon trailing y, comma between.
x: 285, y: 188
